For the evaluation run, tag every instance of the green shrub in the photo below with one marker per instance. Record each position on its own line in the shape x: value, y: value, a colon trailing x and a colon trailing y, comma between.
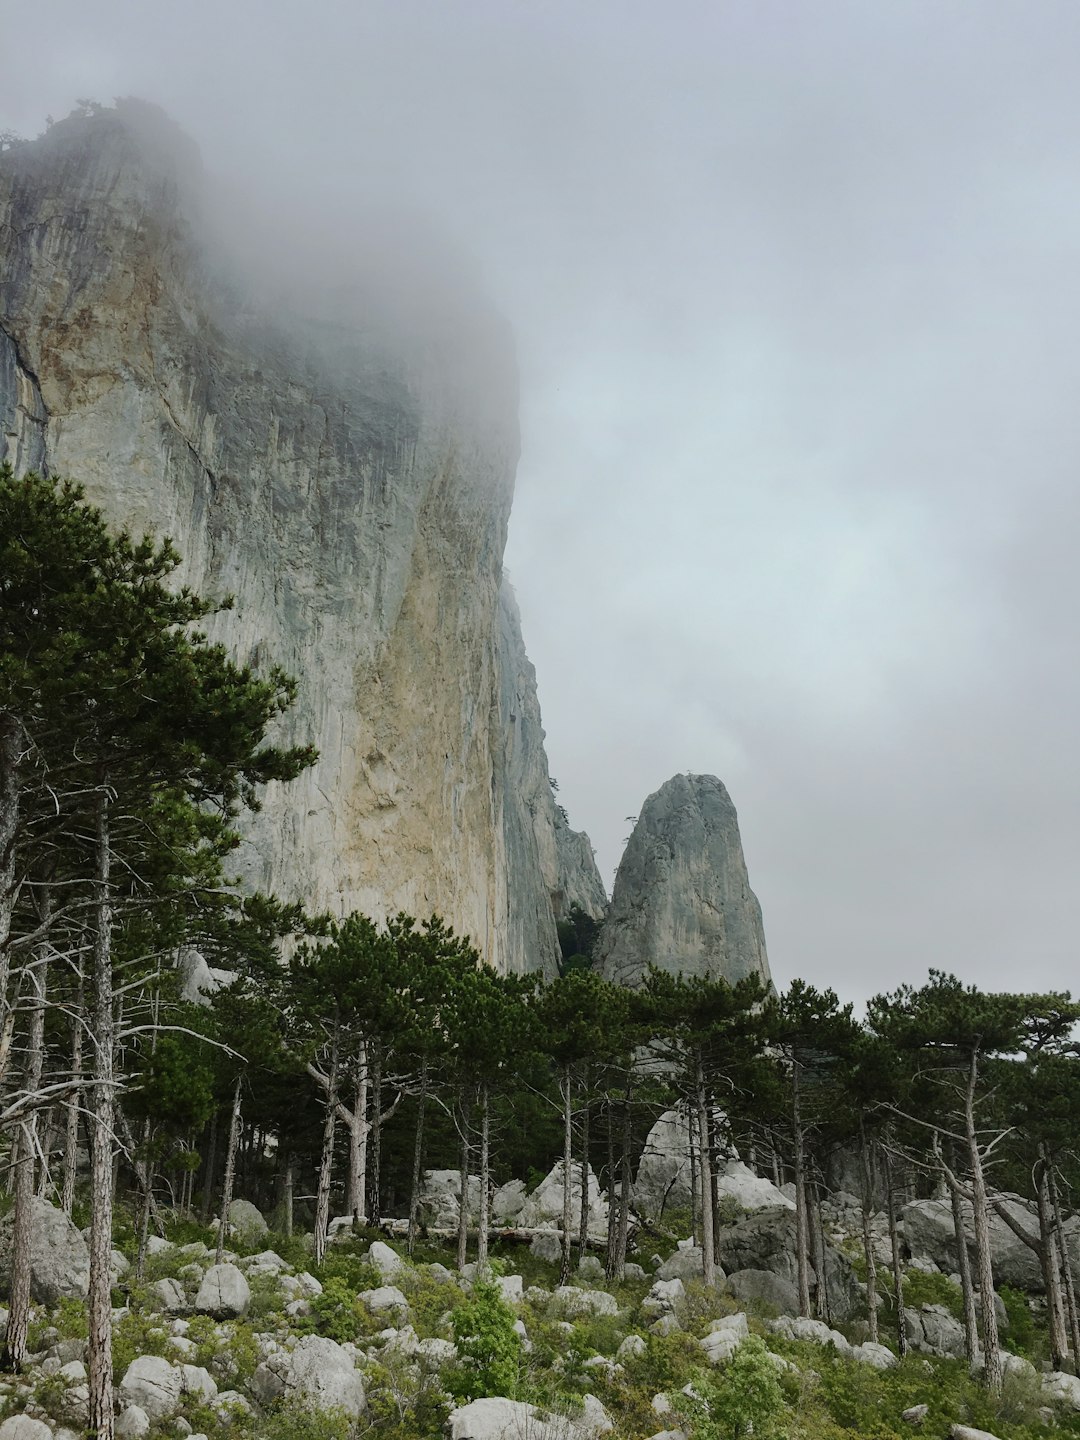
x: 138, y: 1333
x: 338, y: 1313
x: 922, y: 1287
x: 296, y: 1420
x: 429, y: 1300
x: 1023, y: 1338
x: 488, y: 1346
x: 743, y: 1398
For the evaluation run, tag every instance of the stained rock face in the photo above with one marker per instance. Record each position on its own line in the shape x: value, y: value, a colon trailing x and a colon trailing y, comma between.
x: 682, y: 900
x: 342, y: 462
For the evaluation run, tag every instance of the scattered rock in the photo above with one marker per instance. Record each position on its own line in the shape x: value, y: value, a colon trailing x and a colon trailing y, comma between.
x: 224, y: 1293
x: 546, y: 1247
x: 684, y: 1264
x: 324, y: 1373
x: 246, y: 1222
x: 133, y: 1423
x: 22, y: 1427
x: 590, y: 1268
x: 915, y: 1414
x: 574, y: 1302
x: 511, y: 1288
x: 386, y: 1297
x: 544, y: 1206
x: 169, y: 1295
x: 508, y: 1201
x: 1062, y: 1387
x: 871, y: 1353
x: 59, y: 1258
x: 764, y: 1287
x: 387, y: 1262
x: 632, y: 1348
x: 153, y: 1385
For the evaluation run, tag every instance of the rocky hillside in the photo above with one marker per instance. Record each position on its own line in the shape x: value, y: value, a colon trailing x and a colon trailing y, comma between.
x: 342, y: 462
x: 682, y: 899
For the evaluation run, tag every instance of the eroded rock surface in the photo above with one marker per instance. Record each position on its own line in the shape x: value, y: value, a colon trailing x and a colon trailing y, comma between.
x: 682, y: 900
x: 339, y: 455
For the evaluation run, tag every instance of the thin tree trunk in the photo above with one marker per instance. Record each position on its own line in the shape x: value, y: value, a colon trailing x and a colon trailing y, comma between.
x: 624, y: 1198
x: 567, y: 1174
x: 289, y: 1192
x: 483, y: 1221
x: 418, y: 1158
x: 1051, y: 1264
x: 99, y: 1299
x: 376, y: 1136
x: 583, y: 1226
x: 963, y: 1264
x: 802, y: 1239
x: 463, y: 1191
x: 708, y: 1247
x: 868, y: 1244
x: 326, y: 1161
x: 211, y: 1166
x: 817, y: 1250
x: 993, y: 1373
x: 613, y: 1207
x: 692, y: 1146
x: 897, y: 1267
x: 22, y: 1220
x: 11, y: 746
x: 71, y: 1129
x: 230, y: 1171
x: 363, y: 1086
x: 1072, y: 1309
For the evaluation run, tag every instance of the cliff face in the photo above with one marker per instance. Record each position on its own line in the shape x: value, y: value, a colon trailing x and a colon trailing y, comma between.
x: 682, y: 900
x: 344, y: 471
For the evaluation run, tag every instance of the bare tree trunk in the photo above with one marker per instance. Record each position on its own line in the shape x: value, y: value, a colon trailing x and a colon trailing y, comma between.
x: 11, y: 746
x: 817, y: 1250
x: 802, y: 1239
x: 376, y: 1135
x: 868, y: 1244
x: 1051, y: 1266
x: 22, y: 1219
x: 99, y: 1300
x: 418, y: 1158
x: 211, y: 1166
x: 624, y: 1198
x: 363, y: 1085
x: 326, y: 1162
x: 288, y: 1193
x: 483, y: 1223
x: 71, y: 1129
x: 583, y: 1226
x: 993, y: 1373
x: 230, y: 1171
x: 463, y: 1191
x: 708, y: 1247
x: 1068, y: 1284
x: 963, y: 1264
x: 567, y: 1175
x: 692, y: 1146
x: 613, y: 1207
x: 897, y: 1267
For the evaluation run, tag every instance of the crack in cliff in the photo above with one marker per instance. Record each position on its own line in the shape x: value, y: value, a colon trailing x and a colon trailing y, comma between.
x: 195, y: 453
x: 24, y: 365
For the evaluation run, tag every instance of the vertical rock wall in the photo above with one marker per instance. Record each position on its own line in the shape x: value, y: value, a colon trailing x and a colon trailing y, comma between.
x: 682, y: 899
x: 346, y: 477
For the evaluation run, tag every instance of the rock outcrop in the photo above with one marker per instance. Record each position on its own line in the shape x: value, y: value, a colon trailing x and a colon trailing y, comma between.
x: 682, y: 900
x: 339, y: 457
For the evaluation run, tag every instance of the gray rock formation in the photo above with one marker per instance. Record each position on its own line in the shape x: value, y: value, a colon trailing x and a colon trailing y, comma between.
x: 340, y: 458
x: 59, y: 1259
x: 766, y: 1241
x: 682, y: 900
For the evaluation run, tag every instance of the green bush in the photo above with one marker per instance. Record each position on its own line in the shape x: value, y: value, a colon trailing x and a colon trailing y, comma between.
x: 922, y: 1287
x: 1023, y: 1336
x: 138, y: 1333
x: 295, y: 1420
x: 742, y: 1399
x: 338, y: 1313
x: 488, y: 1346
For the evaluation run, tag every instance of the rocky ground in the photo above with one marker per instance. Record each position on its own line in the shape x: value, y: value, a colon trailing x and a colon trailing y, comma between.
x: 265, y: 1345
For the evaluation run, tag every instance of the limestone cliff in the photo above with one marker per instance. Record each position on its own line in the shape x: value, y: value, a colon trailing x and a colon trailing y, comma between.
x: 682, y: 900
x: 344, y: 469
x: 537, y: 836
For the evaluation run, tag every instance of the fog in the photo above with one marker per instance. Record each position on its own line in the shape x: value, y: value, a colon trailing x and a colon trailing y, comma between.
x: 795, y: 300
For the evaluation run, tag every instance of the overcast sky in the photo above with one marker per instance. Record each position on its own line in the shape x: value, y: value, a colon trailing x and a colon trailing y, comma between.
x: 795, y: 288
